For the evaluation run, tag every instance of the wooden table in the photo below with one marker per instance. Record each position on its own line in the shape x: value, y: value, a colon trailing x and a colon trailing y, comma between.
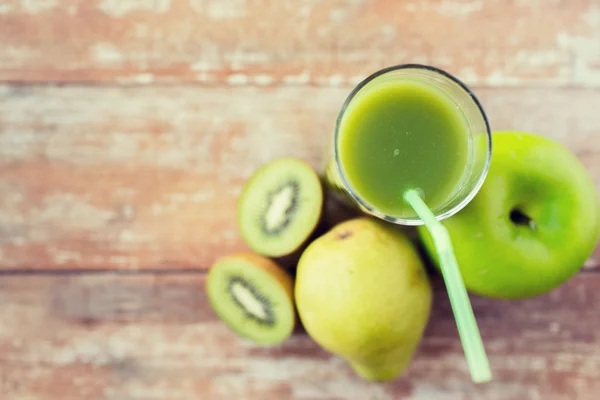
x: 127, y: 128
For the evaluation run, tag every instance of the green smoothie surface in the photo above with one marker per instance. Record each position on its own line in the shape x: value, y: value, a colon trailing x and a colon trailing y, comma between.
x: 398, y: 134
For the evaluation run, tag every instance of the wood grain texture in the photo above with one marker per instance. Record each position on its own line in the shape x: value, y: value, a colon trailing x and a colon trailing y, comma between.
x: 331, y: 42
x: 127, y: 337
x: 140, y: 171
x: 128, y: 178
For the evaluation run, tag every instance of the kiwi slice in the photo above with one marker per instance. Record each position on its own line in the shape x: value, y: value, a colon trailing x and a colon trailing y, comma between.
x: 253, y: 296
x: 280, y: 207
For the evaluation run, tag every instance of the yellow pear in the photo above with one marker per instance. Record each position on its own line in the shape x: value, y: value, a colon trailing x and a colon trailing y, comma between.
x: 363, y: 294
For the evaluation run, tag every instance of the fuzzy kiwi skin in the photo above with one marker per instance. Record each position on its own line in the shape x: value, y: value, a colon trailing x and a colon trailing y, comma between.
x: 290, y: 259
x: 285, y: 280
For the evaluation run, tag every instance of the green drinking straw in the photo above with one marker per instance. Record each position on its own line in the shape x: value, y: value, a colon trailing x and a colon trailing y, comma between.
x: 477, y: 360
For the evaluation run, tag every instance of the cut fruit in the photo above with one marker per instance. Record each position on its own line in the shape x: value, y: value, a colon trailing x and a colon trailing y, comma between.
x: 280, y: 207
x: 253, y: 296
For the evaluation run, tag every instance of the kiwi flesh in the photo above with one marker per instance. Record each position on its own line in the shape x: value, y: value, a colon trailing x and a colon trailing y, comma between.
x: 280, y: 207
x: 253, y: 296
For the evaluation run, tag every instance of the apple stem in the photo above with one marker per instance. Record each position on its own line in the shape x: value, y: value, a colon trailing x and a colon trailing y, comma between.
x: 533, y: 225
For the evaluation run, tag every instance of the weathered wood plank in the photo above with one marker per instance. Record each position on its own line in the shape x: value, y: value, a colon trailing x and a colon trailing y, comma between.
x: 330, y: 42
x: 132, y: 178
x: 117, y: 337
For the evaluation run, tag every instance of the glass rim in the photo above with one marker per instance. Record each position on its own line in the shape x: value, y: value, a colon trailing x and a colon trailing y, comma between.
x: 412, y: 221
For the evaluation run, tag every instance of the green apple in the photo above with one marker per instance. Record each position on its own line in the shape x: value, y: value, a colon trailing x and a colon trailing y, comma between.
x: 532, y: 225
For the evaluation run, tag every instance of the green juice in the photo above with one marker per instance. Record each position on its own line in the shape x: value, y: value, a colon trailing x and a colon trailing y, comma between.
x: 399, y: 134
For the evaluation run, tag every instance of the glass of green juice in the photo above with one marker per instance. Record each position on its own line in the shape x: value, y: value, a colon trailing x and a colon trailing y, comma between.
x: 410, y: 126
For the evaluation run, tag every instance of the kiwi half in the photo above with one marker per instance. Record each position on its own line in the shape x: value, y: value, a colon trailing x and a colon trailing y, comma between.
x: 280, y: 207
x: 253, y: 296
